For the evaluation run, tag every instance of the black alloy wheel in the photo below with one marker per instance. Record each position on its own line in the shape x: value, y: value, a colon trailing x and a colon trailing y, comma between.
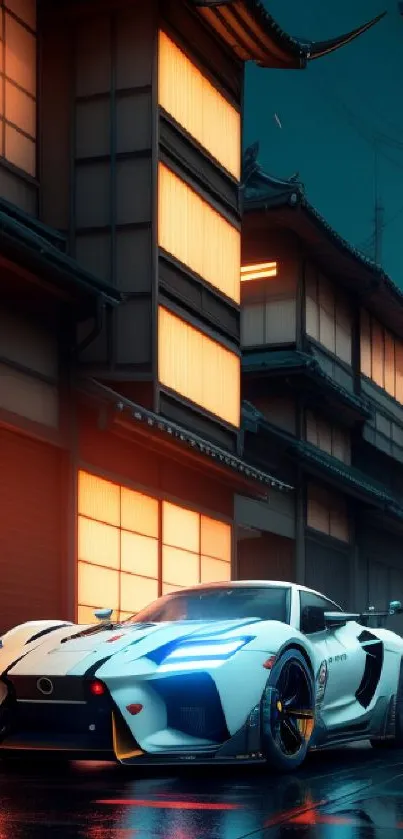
x: 288, y: 712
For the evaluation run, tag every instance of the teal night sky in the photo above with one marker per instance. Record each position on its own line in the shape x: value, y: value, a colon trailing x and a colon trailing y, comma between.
x: 333, y: 116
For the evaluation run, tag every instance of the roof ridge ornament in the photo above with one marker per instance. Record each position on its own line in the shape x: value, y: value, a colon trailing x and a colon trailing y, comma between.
x: 254, y: 178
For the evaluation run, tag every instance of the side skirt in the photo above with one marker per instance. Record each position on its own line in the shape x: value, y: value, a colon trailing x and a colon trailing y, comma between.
x: 372, y: 724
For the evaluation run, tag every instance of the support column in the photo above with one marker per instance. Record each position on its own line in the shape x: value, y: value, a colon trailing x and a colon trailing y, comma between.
x: 300, y: 572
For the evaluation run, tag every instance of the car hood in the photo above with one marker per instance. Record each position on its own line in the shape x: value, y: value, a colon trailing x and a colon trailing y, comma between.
x: 77, y: 650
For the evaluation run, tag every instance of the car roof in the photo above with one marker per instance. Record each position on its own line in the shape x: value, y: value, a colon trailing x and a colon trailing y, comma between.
x: 246, y: 584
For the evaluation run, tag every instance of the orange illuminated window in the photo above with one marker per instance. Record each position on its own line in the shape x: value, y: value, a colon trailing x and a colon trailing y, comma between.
x: 139, y: 513
x: 18, y: 84
x: 215, y: 539
x: 98, y: 543
x: 381, y: 356
x: 136, y: 592
x: 120, y: 548
x: 139, y: 554
x: 197, y: 235
x: 260, y: 271
x: 180, y: 527
x: 196, y: 548
x: 187, y: 95
x: 214, y: 571
x: 98, y: 585
x: 98, y: 499
x: 186, y: 359
x: 180, y: 567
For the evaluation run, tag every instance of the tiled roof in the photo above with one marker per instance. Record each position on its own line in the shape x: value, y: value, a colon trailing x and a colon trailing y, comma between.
x: 254, y: 34
x: 253, y: 420
x: 347, y: 474
x: 264, y: 191
x: 42, y: 247
x: 189, y: 439
x: 293, y: 360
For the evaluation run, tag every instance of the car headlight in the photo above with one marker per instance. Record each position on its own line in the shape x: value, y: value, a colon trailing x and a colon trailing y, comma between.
x: 197, y: 655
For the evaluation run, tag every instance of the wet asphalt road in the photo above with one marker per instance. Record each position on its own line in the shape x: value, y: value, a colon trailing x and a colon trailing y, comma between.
x: 353, y: 793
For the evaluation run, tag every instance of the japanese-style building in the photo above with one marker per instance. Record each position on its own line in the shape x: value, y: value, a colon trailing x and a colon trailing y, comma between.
x: 322, y: 338
x: 121, y: 443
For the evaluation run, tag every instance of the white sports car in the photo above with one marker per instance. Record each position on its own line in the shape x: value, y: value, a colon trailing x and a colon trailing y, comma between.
x: 242, y: 671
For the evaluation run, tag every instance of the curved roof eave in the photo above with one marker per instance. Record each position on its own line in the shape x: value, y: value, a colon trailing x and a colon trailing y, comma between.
x: 254, y: 35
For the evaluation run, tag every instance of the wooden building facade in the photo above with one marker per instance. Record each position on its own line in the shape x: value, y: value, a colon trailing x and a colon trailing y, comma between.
x: 322, y: 337
x: 121, y: 446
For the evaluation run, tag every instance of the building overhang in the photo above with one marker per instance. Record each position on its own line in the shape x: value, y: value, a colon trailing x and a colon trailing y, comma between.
x: 347, y: 479
x: 272, y: 204
x: 34, y: 269
x: 314, y: 461
x: 303, y: 373
x: 178, y: 442
x: 254, y: 35
x: 390, y: 519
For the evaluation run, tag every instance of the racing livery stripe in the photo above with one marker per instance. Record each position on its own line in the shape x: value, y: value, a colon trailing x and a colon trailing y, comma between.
x: 13, y: 663
x: 45, y: 632
x: 94, y: 667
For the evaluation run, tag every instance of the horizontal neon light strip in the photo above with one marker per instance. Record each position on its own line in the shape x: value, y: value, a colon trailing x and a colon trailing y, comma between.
x: 260, y: 271
x: 191, y: 664
x: 168, y: 805
x: 197, y: 651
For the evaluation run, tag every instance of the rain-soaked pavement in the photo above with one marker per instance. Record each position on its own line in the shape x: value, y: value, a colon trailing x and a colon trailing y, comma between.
x: 353, y: 793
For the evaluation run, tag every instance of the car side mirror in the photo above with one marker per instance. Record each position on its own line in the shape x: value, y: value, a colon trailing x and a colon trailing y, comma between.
x: 103, y: 615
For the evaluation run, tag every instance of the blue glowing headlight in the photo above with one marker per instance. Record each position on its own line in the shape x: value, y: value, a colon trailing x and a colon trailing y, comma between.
x: 197, y: 655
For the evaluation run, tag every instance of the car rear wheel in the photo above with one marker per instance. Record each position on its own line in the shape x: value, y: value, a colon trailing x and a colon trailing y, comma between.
x: 288, y: 712
x: 395, y: 742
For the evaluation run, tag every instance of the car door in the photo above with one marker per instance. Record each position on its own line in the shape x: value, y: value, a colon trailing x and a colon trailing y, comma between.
x: 343, y: 650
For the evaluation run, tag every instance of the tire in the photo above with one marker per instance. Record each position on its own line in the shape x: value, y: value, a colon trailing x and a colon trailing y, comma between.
x: 288, y: 712
x: 7, y: 710
x: 395, y: 742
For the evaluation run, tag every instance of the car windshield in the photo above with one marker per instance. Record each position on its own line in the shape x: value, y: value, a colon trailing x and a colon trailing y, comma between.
x: 222, y: 603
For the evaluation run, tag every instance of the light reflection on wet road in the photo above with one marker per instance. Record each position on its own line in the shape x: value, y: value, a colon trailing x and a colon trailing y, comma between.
x: 353, y: 793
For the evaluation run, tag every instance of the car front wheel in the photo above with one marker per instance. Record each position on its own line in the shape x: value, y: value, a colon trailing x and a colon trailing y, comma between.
x: 288, y: 712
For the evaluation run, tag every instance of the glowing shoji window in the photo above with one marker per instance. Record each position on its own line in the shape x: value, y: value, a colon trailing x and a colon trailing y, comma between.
x: 119, y: 546
x: 190, y: 98
x: 186, y: 359
x: 118, y: 539
x: 195, y: 548
x: 18, y: 83
x: 197, y: 235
